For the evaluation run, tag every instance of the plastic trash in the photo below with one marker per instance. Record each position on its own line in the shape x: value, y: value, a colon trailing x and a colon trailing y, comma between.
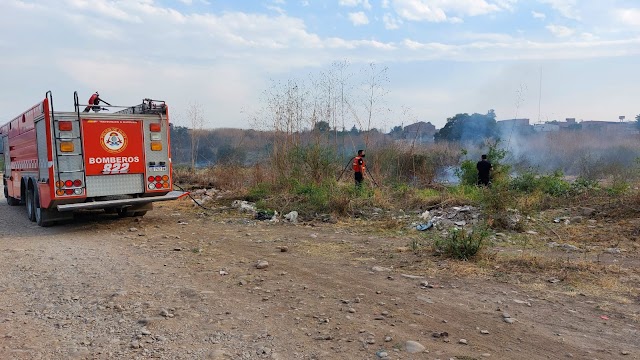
x: 423, y: 227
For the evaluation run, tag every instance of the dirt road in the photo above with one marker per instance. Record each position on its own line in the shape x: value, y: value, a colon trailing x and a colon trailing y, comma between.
x: 178, y: 285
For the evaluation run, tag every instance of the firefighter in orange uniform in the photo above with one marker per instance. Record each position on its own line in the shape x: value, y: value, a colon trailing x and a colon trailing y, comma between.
x: 359, y: 168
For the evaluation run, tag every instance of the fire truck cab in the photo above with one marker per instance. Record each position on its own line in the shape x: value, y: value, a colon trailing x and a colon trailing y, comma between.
x: 58, y: 162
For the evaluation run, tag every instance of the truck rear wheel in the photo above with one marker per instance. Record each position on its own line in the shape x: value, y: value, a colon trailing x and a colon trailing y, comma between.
x: 43, y: 217
x: 11, y: 201
x: 30, y: 204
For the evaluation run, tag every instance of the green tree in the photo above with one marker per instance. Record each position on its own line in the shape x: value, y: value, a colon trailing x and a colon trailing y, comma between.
x: 638, y: 120
x: 230, y: 155
x: 322, y: 126
x: 396, y: 132
x: 469, y: 128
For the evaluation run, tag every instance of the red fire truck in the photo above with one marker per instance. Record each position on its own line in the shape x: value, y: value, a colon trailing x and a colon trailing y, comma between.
x: 58, y: 162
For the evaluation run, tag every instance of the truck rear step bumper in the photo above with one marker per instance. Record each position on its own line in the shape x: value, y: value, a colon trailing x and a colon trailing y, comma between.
x: 173, y: 195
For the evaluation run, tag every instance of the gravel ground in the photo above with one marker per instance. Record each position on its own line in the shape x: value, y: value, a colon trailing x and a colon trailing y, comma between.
x: 178, y: 285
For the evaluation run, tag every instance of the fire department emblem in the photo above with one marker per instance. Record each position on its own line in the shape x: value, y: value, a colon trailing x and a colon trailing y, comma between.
x: 113, y: 140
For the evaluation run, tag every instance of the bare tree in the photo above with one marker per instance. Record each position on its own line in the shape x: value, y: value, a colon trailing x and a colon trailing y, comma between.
x: 376, y: 78
x: 195, y: 116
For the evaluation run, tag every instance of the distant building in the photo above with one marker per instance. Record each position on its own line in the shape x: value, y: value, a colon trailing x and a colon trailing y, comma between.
x: 513, y: 123
x: 546, y: 127
x: 514, y: 126
x: 615, y: 127
x: 420, y: 132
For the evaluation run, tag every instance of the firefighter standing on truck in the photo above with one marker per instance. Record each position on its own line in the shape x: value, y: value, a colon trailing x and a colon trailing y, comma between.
x: 94, y: 103
x: 359, y: 168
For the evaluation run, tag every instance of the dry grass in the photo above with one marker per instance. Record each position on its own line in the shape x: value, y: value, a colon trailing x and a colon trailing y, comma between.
x: 329, y: 250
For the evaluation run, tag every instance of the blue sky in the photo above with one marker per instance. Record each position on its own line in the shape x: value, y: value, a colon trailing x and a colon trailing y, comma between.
x: 443, y: 56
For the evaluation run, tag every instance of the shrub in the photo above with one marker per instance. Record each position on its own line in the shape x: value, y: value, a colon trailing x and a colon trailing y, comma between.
x: 468, y: 174
x: 258, y: 192
x: 551, y: 184
x: 460, y: 244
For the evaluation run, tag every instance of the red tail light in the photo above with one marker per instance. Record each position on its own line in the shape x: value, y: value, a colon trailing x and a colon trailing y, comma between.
x: 77, y: 182
x: 155, y: 127
x: 158, y: 185
x: 150, y: 178
x: 158, y: 178
x: 69, y: 191
x: 65, y: 126
x: 68, y: 183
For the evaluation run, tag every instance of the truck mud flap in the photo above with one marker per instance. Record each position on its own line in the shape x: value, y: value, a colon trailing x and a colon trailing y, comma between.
x: 173, y: 195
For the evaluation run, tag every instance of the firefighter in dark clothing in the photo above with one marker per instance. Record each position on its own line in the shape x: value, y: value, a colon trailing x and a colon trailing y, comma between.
x: 359, y: 168
x: 484, y: 171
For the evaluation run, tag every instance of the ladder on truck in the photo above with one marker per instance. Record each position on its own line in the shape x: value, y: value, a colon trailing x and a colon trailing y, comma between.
x: 72, y: 136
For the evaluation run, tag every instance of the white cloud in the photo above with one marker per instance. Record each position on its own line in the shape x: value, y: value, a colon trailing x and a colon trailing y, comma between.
x: 358, y: 18
x: 24, y: 5
x: 522, y: 50
x: 537, y: 15
x: 566, y: 8
x: 589, y: 36
x: 106, y: 9
x: 353, y: 3
x: 560, y: 31
x: 391, y: 22
x: 506, y: 4
x: 438, y: 11
x: 629, y: 17
x: 494, y: 37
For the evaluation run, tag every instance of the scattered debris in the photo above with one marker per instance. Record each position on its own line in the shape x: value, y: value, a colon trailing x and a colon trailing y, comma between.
x: 440, y: 334
x: 292, y: 217
x: 262, y: 264
x: 244, y: 206
x: 423, y: 227
x: 263, y: 215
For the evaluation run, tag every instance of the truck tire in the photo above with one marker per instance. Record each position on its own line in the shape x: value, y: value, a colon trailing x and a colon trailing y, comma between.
x: 43, y: 217
x: 30, y: 204
x: 11, y: 201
